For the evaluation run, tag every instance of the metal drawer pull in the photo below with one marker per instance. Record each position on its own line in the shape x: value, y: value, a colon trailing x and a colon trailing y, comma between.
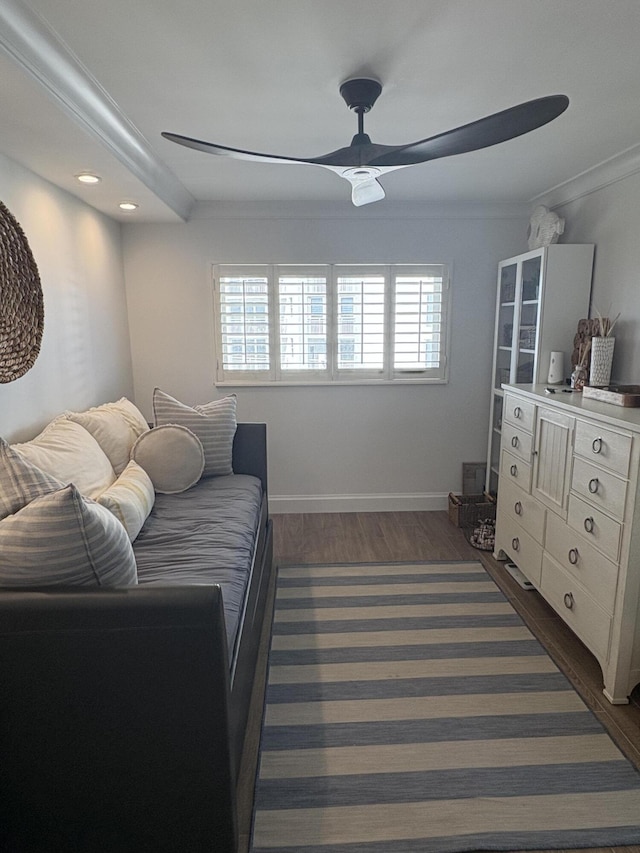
x: 573, y: 556
x: 514, y: 441
x: 596, y: 445
x: 568, y: 600
x: 514, y: 470
x: 593, y: 485
x: 589, y: 524
x: 517, y: 412
x: 515, y: 543
x: 517, y: 507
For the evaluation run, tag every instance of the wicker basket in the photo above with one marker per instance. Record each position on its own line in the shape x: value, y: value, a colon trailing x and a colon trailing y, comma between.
x: 21, y: 301
x: 467, y: 510
x: 476, y: 515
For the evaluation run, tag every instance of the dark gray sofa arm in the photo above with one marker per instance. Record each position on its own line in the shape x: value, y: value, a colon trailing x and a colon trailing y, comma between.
x: 250, y: 451
x: 115, y: 721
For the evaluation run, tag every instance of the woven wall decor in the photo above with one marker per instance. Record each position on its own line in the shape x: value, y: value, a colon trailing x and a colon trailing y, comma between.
x: 21, y: 301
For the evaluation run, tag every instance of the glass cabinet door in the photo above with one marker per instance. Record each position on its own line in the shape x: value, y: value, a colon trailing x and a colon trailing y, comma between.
x: 494, y: 444
x: 529, y: 316
x: 506, y: 321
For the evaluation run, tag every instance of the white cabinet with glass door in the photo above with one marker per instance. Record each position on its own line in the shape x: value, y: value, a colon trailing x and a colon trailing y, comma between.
x: 541, y: 296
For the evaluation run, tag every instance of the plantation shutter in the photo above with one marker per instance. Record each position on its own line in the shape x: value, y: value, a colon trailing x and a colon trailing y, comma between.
x: 244, y: 321
x: 360, y: 333
x: 302, y: 327
x: 418, y: 320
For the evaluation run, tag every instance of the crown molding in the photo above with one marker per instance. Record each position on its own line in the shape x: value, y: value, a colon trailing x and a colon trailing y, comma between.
x: 602, y: 175
x: 29, y: 41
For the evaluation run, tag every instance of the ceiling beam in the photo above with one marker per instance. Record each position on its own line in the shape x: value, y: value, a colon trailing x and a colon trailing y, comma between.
x: 33, y: 45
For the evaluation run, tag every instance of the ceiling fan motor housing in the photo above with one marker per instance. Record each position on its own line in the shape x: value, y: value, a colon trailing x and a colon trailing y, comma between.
x: 360, y: 94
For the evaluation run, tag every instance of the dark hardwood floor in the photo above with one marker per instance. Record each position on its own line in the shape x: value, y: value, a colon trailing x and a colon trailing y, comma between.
x: 400, y: 536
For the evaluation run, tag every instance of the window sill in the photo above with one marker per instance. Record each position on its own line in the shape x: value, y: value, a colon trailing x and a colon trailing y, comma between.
x: 257, y: 383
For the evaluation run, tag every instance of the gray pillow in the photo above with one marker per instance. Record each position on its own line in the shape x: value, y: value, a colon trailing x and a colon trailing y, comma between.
x: 64, y: 539
x: 172, y: 456
x: 214, y: 423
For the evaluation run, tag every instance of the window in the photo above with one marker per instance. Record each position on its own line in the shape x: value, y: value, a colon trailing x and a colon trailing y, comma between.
x: 331, y: 323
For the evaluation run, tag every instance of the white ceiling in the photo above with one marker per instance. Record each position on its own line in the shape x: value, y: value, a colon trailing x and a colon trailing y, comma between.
x: 88, y: 85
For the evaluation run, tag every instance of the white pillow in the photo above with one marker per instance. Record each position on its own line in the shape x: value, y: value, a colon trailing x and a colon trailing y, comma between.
x: 66, y: 451
x: 130, y: 498
x: 214, y: 423
x: 63, y: 539
x: 20, y: 481
x: 115, y: 426
x: 172, y: 456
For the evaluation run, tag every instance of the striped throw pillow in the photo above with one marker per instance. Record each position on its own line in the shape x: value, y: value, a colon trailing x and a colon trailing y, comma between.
x: 20, y: 481
x: 130, y: 498
x: 213, y: 423
x: 63, y: 539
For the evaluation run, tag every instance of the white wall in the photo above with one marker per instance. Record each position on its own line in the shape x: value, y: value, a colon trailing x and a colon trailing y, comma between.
x: 610, y: 218
x: 330, y: 448
x: 85, y: 357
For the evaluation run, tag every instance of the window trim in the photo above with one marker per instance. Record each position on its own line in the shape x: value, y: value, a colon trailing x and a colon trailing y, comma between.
x: 332, y: 375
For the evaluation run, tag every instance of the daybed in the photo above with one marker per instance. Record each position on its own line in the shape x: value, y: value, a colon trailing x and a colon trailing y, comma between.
x: 123, y: 707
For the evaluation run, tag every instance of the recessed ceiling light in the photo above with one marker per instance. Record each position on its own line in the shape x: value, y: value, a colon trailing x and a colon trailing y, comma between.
x: 88, y: 178
x: 128, y: 205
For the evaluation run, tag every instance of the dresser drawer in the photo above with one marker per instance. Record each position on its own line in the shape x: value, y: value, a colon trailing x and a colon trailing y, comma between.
x: 516, y: 441
x: 599, y: 488
x: 583, y: 615
x: 522, y: 508
x: 581, y: 560
x: 520, y: 413
x: 603, y: 447
x: 522, y: 548
x: 596, y: 527
x: 515, y: 470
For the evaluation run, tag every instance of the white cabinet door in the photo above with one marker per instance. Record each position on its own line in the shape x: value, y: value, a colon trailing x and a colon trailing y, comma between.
x: 552, y: 459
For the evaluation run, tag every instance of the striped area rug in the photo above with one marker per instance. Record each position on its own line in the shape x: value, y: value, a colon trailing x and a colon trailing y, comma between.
x: 410, y: 710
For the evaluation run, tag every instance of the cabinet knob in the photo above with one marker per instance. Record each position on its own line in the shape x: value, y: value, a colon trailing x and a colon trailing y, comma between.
x: 596, y: 445
x: 517, y: 412
x: 513, y: 470
x: 515, y: 543
x: 573, y: 556
x: 517, y: 508
x: 568, y: 600
x: 593, y: 485
x: 589, y: 524
x: 514, y: 441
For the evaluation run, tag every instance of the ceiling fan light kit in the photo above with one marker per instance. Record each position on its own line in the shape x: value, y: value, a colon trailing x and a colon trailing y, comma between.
x: 363, y: 162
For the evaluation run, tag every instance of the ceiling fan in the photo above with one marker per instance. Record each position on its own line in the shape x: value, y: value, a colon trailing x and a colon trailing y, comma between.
x: 363, y: 162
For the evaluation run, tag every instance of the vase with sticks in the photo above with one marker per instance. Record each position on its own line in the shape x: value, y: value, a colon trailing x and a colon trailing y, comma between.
x: 602, y: 346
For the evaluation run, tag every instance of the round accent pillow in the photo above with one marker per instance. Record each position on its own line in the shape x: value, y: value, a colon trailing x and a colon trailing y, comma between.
x: 172, y: 456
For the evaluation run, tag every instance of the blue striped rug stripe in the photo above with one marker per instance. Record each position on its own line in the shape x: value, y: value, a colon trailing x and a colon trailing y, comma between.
x: 444, y: 650
x: 412, y: 731
x: 399, y: 688
x: 416, y: 787
x: 410, y: 710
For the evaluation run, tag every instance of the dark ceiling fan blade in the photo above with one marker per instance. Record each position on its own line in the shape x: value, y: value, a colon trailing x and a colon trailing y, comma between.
x: 362, y: 162
x: 483, y: 133
x: 234, y: 153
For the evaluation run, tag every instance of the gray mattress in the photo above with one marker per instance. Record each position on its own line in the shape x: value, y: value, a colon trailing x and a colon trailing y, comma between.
x: 202, y: 536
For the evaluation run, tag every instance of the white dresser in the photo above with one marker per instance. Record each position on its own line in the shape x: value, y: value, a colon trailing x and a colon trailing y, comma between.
x: 569, y: 517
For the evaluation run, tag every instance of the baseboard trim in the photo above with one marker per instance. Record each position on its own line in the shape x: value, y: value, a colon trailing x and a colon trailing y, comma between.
x: 424, y: 502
